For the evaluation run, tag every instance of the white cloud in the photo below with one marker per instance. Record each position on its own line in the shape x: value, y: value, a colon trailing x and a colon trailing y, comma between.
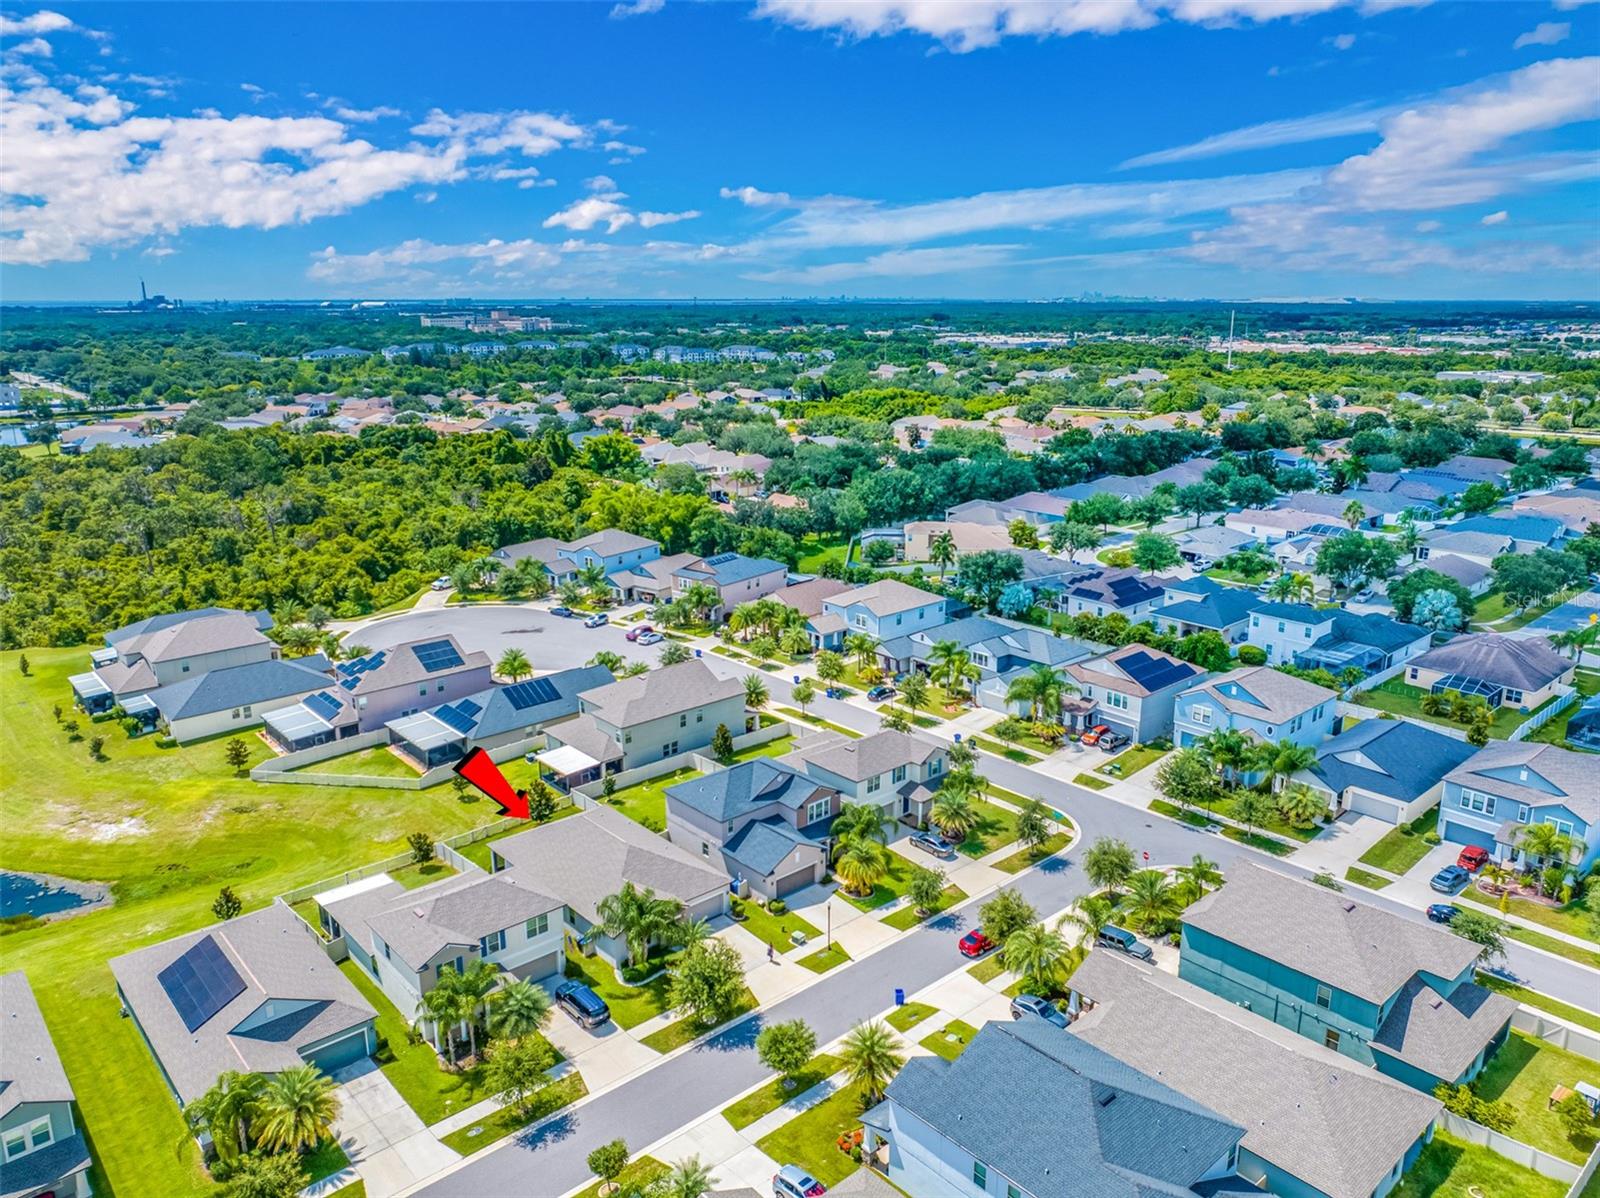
x: 255, y: 89
x: 361, y: 116
x: 605, y: 208
x: 601, y: 183
x: 159, y: 251
x: 754, y: 197
x: 1343, y: 41
x: 649, y: 220
x: 1495, y: 218
x: 1429, y: 226
x: 34, y: 45
x: 425, y: 197
x: 1545, y: 33
x: 406, y: 259
x: 622, y: 147
x: 1342, y: 122
x: 531, y: 133
x: 636, y: 8
x: 43, y: 21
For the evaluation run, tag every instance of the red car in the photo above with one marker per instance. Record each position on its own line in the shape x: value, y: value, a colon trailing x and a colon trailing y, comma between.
x: 975, y: 944
x: 1094, y: 734
x: 633, y: 633
x: 1473, y: 858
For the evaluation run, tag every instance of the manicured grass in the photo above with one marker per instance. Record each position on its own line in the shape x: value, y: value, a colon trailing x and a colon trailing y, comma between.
x: 636, y: 1177
x: 1092, y: 782
x: 1367, y: 878
x: 1583, y: 956
x: 414, y: 875
x: 1237, y: 578
x: 907, y: 917
x: 1541, y: 1002
x: 1573, y: 919
x: 825, y: 959
x: 356, y: 1189
x: 810, y: 1139
x: 1024, y: 858
x: 989, y: 968
x: 1224, y: 808
x: 940, y: 1043
x: 774, y: 1094
x: 1402, y: 699
x: 326, y: 1159
x: 478, y: 851
x: 776, y: 929
x: 646, y: 803
x: 996, y: 828
x: 630, y: 1005
x: 773, y: 748
x: 507, y: 1120
x: 1402, y: 846
x: 1128, y: 763
x: 1524, y: 1073
x: 1009, y: 752
x: 819, y: 722
x: 906, y: 1017
x: 166, y: 828
x: 374, y: 762
x: 816, y: 550
x: 890, y: 887
x: 1452, y: 1168
x: 689, y: 1029
x: 1196, y: 819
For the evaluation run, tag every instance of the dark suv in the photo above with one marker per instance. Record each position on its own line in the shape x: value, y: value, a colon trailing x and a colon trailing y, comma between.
x: 586, y: 1007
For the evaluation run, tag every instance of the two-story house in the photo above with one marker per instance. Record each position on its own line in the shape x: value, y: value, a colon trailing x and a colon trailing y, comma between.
x: 1201, y: 604
x: 824, y: 629
x: 166, y: 649
x: 736, y: 579
x: 1507, y: 671
x: 882, y: 610
x: 42, y: 1152
x: 1392, y: 770
x: 1493, y: 798
x: 1125, y: 591
x: 1270, y: 704
x: 894, y: 771
x: 1333, y: 639
x: 1131, y: 690
x: 611, y: 549
x: 1391, y: 992
x: 645, y: 718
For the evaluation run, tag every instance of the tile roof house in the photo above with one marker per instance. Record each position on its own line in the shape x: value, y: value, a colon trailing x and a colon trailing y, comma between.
x: 41, y: 1148
x: 255, y: 994
x: 1317, y: 1124
x: 1132, y: 690
x: 1493, y: 797
x: 1388, y: 990
x: 953, y: 1127
x: 1392, y: 770
x: 1261, y: 702
x: 236, y: 697
x: 1507, y: 671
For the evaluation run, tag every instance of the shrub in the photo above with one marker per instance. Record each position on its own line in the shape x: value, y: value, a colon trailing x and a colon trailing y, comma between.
x: 777, y: 907
x: 736, y: 907
x: 1252, y: 655
x: 421, y: 847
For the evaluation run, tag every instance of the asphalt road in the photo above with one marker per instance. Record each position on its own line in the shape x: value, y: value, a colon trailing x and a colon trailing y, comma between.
x: 684, y: 1088
x: 551, y: 642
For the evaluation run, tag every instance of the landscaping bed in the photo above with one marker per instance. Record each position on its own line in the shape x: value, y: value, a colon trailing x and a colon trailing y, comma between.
x: 810, y: 1139
x: 889, y: 887
x: 637, y: 1175
x: 688, y: 1029
x: 505, y: 1121
x: 774, y: 1094
x: 630, y: 1005
x: 941, y: 1044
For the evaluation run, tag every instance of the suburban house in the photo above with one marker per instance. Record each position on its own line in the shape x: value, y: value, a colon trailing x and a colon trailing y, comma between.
x: 1388, y: 991
x: 404, y: 937
x: 957, y: 1127
x: 736, y: 579
x: 1210, y: 541
x: 891, y: 770
x: 1494, y: 796
x: 585, y: 857
x: 650, y: 581
x: 1333, y: 639
x: 165, y: 649
x: 1200, y: 604
x: 1480, y: 547
x: 501, y: 715
x: 1000, y: 649
x: 1507, y: 671
x: 1392, y: 770
x: 1583, y: 727
x: 967, y: 535
x: 1132, y: 690
x: 883, y: 610
x: 825, y: 629
x: 1476, y: 576
x: 638, y: 720
x: 42, y: 1152
x: 1271, y: 525
x: 256, y: 994
x: 236, y: 697
x: 611, y: 549
x: 1317, y: 1125
x: 1527, y: 530
x: 1258, y: 701
x: 1126, y: 591
x: 1577, y: 509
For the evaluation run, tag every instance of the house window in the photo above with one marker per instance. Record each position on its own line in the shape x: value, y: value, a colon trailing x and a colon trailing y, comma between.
x: 980, y: 1175
x: 1476, y: 800
x: 1563, y: 826
x: 899, y: 774
x: 818, y: 809
x: 1513, y: 697
x: 246, y: 710
x: 1330, y: 1039
x: 670, y: 749
x: 537, y: 926
x: 935, y: 766
x: 1012, y: 1191
x: 22, y: 1140
x: 494, y: 942
x: 705, y: 849
x: 1413, y: 673
x: 874, y: 783
x: 1324, y: 996
x: 1201, y: 715
x: 1116, y: 700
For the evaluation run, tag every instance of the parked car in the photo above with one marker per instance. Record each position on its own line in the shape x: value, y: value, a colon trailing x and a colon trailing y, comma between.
x: 634, y: 634
x: 566, y: 613
x: 1473, y: 858
x: 879, y: 693
x: 586, y: 1007
x: 792, y: 1181
x: 1032, y: 1004
x: 597, y: 620
x: 1450, y: 879
x: 650, y: 637
x: 975, y: 944
x: 1123, y: 941
x: 932, y: 842
x: 1092, y: 737
x: 442, y: 583
x: 1362, y: 596
x: 1110, y: 742
x: 1443, y: 912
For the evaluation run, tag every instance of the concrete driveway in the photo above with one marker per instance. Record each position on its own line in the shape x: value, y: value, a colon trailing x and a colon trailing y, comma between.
x: 603, y: 1055
x: 383, y: 1137
x: 551, y: 642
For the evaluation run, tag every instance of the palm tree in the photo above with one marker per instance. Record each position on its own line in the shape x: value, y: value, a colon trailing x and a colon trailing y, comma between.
x: 871, y: 1059
x: 674, y: 653
x: 227, y: 1110
x: 1197, y: 875
x: 689, y: 1178
x: 1087, y: 915
x: 570, y: 592
x: 1040, y: 688
x: 863, y: 648
x: 1546, y: 843
x: 474, y: 986
x: 637, y: 916
x: 446, y: 1006
x: 795, y: 642
x: 953, y: 813
x: 1149, y: 901
x: 744, y: 619
x: 1228, y: 750
x: 701, y: 598
x: 1408, y: 539
x: 861, y: 820
x: 513, y: 664
x: 1288, y: 759
x: 688, y: 932
x: 914, y: 691
x: 1282, y: 588
x: 592, y: 577
x: 755, y: 692
x: 1037, y: 954
x: 942, y: 551
x: 942, y: 655
x: 1301, y: 806
x: 861, y: 862
x: 1354, y: 513
x: 519, y: 1009
x: 298, y: 1107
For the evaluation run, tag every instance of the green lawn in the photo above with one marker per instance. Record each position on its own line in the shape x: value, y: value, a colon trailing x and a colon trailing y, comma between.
x: 166, y: 828
x: 996, y: 828
x: 1024, y: 858
x: 1451, y: 1168
x: 1542, y: 1002
x: 1523, y: 1073
x: 1092, y: 782
x: 773, y: 748
x: 907, y: 917
x: 326, y: 1159
x: 951, y: 1040
x: 1573, y: 919
x: 507, y: 1120
x: 374, y: 762
x: 989, y: 968
x: 646, y: 803
x: 890, y: 887
x: 1402, y: 846
x: 1402, y: 699
x: 825, y: 959
x: 1586, y: 682
x: 1130, y: 762
x: 775, y: 929
x: 819, y: 722
x: 1009, y: 752
x: 1197, y: 819
x: 1234, y: 576
x: 904, y: 1018
x: 414, y: 875
x: 1583, y: 956
x: 816, y: 549
x: 775, y: 1093
x: 810, y: 1139
x: 630, y: 1005
x: 1362, y: 877
x: 636, y: 1177
x: 356, y: 1189
x: 689, y: 1029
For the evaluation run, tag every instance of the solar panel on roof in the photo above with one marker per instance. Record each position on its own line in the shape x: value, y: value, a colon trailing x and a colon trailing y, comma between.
x: 1154, y: 673
x: 200, y: 983
x: 323, y: 705
x: 722, y: 559
x: 437, y: 655
x: 523, y: 695
x: 457, y: 716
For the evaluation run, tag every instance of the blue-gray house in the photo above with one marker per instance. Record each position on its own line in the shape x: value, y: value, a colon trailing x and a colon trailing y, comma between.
x: 1258, y: 701
x: 1392, y: 770
x: 1505, y: 788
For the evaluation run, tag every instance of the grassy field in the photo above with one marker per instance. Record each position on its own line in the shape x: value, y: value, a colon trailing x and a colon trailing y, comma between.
x: 374, y: 762
x: 1573, y: 919
x: 1451, y: 1168
x: 774, y: 1094
x: 951, y: 1040
x: 506, y: 1120
x: 646, y: 803
x: 1401, y: 699
x: 1523, y: 1073
x: 904, y: 1018
x: 689, y: 1029
x: 815, y: 550
x: 1542, y: 1002
x: 810, y: 1139
x: 630, y: 1005
x: 166, y: 828
x: 1402, y: 846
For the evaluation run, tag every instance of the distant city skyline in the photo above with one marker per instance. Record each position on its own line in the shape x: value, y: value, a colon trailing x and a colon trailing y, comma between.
x: 889, y: 149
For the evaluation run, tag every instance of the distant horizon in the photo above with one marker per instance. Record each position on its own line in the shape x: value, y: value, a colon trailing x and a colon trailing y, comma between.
x: 358, y: 302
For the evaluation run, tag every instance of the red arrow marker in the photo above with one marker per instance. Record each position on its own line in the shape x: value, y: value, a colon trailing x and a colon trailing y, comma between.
x: 479, y: 769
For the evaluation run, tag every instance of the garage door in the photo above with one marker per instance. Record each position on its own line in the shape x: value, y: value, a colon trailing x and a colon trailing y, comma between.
x: 1462, y: 834
x: 331, y: 1057
x: 789, y: 883
x: 1366, y: 804
x: 541, y: 967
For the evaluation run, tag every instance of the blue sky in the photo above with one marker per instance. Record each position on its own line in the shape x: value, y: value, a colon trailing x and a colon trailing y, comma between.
x: 875, y: 148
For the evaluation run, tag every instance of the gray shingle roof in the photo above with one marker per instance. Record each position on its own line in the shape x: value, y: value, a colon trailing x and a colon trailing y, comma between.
x: 886, y: 597
x: 236, y: 686
x: 1522, y: 663
x: 417, y: 924
x: 1338, y: 1126
x: 1324, y: 934
x: 1442, y: 1035
x: 867, y: 757
x: 30, y: 1069
x: 29, y: 1174
x: 1498, y: 768
x: 1394, y: 758
x: 763, y: 844
x: 1279, y: 697
x: 583, y: 734
x: 400, y: 666
x: 663, y: 692
x: 727, y: 795
x: 190, y: 638
x: 167, y: 619
x: 807, y: 597
x: 1101, y: 1128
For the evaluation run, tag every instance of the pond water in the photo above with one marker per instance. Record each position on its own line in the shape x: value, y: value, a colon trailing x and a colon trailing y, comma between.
x: 23, y: 894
